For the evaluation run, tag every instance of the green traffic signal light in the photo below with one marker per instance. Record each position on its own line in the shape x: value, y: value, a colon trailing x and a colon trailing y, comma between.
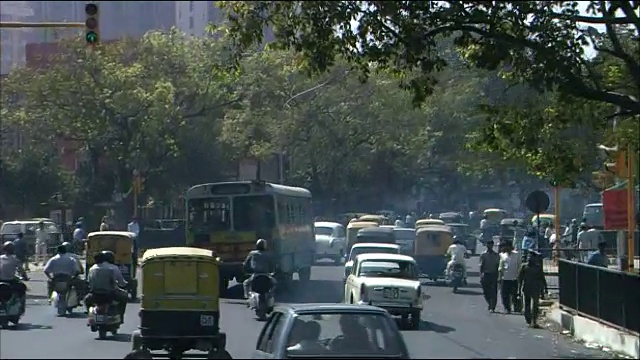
x: 92, y: 37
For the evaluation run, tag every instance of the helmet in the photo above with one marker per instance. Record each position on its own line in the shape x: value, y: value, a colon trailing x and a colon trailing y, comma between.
x: 98, y: 258
x: 62, y: 249
x: 67, y: 244
x: 8, y: 247
x: 456, y: 240
x: 109, y: 256
x: 78, y: 224
x: 261, y: 244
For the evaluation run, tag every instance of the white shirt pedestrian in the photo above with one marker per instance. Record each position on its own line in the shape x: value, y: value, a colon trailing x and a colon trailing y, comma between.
x: 133, y: 227
x: 42, y: 239
x: 509, y: 267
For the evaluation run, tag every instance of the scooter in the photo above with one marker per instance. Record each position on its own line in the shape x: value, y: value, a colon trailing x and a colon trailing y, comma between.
x: 457, y: 277
x: 261, y: 296
x: 104, y: 316
x: 11, y: 309
x: 64, y: 296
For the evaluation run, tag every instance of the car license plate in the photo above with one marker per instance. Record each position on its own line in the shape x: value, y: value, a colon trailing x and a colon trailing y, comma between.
x: 206, y: 320
x: 100, y: 317
x: 390, y: 293
x: 2, y: 312
x: 457, y: 273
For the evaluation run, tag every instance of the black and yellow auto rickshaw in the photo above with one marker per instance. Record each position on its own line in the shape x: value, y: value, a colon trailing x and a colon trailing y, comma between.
x: 430, y: 250
x: 382, y: 235
x: 451, y: 217
x: 379, y: 219
x: 180, y: 303
x: 352, y: 231
x: 122, y: 244
x: 428, y: 222
x: 512, y: 228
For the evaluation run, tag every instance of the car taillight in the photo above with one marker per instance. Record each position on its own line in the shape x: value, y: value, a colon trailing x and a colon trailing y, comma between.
x: 363, y: 293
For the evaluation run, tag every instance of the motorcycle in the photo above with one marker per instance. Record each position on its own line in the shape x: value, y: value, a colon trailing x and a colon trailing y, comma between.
x: 104, y: 316
x: 64, y: 296
x: 261, y: 296
x: 457, y: 277
x: 11, y: 309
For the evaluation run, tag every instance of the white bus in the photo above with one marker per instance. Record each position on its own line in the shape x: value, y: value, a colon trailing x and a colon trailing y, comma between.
x: 228, y: 218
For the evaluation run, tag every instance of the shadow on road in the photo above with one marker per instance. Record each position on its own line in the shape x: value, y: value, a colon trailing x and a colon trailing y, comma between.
x: 468, y: 292
x: 29, y: 326
x: 431, y: 326
x: 123, y: 338
x: 37, y: 297
x: 327, y: 263
x: 316, y: 291
x: 76, y: 315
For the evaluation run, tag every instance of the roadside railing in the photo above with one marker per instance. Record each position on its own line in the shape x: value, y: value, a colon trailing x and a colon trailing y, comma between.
x: 605, y: 295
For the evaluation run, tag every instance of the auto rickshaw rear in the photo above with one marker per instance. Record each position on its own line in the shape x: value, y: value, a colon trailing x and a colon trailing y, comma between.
x: 180, y: 288
x: 121, y: 243
x: 430, y: 250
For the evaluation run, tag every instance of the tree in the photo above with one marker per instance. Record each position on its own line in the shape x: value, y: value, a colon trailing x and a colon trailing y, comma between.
x: 540, y: 44
x: 127, y: 101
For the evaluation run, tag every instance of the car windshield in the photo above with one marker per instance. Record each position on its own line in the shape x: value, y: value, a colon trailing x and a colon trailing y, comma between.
x: 388, y: 268
x: 371, y: 250
x: 210, y: 214
x: 344, y: 335
x: 590, y: 210
x: 254, y: 213
x: 324, y: 230
x: 11, y: 229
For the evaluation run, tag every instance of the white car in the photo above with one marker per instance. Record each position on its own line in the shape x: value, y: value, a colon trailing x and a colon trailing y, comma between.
x: 330, y: 240
x: 368, y: 248
x: 388, y: 281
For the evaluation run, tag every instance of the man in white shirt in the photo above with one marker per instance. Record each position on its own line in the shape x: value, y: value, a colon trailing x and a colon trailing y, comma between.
x: 588, y: 239
x: 409, y: 221
x: 508, y: 270
x: 457, y: 253
x: 133, y: 226
x: 484, y: 227
x: 42, y: 239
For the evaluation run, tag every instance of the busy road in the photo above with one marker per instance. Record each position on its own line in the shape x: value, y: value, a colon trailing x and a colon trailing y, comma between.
x: 453, y: 326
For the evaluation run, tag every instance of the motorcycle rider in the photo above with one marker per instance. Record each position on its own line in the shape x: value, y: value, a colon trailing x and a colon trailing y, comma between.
x: 105, y: 278
x: 457, y: 252
x: 259, y: 261
x: 63, y: 264
x: 9, y: 267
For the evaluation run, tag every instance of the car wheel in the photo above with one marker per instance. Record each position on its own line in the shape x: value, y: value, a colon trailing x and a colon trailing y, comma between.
x: 415, y: 321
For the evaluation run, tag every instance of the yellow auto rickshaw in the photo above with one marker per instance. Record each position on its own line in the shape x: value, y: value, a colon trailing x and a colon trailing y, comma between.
x: 548, y: 219
x: 378, y: 219
x: 122, y: 244
x: 180, y: 287
x: 428, y: 222
x: 430, y: 250
x: 352, y: 231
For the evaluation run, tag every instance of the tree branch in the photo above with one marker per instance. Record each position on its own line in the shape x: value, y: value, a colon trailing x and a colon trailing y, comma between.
x: 206, y: 109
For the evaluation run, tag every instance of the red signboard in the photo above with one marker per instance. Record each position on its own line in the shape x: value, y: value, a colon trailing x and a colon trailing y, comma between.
x: 614, y: 203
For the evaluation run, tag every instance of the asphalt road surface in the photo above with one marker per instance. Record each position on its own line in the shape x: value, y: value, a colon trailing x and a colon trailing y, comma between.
x: 453, y: 326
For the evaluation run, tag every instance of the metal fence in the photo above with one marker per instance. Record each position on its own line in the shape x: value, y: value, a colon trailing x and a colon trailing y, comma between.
x: 605, y: 295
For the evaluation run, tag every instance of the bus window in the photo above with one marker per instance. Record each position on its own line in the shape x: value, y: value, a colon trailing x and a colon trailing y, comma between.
x: 254, y: 213
x: 210, y: 214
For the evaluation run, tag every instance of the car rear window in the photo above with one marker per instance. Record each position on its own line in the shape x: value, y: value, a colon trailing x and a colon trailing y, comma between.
x: 346, y: 334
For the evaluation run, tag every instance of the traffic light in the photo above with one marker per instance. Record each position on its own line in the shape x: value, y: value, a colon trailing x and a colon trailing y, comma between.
x: 138, y: 184
x: 91, y: 24
x: 618, y: 164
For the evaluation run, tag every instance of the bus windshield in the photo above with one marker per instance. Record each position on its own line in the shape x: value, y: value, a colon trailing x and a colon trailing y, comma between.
x: 254, y: 213
x: 211, y: 214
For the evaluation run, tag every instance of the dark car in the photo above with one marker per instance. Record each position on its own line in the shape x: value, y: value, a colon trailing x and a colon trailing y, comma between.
x: 330, y: 331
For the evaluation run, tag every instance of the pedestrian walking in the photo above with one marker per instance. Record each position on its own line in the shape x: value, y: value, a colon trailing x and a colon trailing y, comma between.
x: 508, y: 270
x: 533, y: 286
x: 489, y: 262
x: 22, y: 254
x: 42, y: 241
x: 104, y: 225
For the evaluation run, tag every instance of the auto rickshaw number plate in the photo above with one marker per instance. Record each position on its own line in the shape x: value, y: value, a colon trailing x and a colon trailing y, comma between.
x: 206, y: 320
x: 391, y: 293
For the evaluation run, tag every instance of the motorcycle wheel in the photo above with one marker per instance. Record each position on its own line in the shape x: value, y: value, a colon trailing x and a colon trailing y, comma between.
x: 4, y: 323
x: 216, y: 354
x: 102, y: 334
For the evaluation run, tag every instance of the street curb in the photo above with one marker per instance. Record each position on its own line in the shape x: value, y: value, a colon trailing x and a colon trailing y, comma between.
x: 591, y: 331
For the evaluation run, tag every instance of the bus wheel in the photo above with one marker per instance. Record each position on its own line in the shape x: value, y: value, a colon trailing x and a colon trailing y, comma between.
x: 304, y: 275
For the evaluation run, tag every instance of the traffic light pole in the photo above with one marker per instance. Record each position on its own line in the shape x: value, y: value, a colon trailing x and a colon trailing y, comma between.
x: 19, y: 25
x: 631, y: 209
